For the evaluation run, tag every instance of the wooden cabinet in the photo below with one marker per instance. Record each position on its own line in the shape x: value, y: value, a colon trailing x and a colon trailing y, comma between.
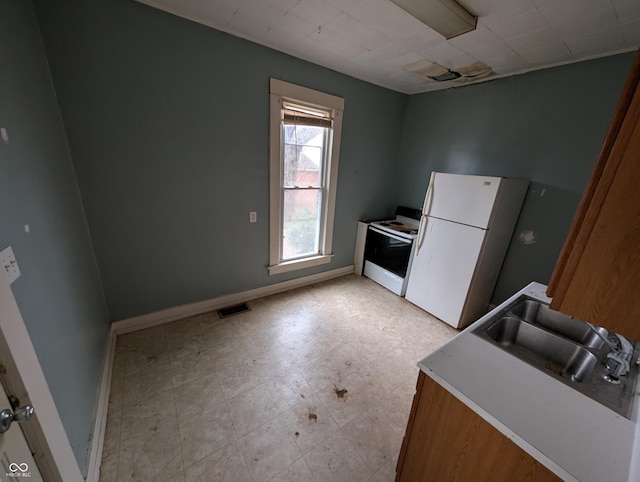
x: 447, y: 441
x: 597, y: 277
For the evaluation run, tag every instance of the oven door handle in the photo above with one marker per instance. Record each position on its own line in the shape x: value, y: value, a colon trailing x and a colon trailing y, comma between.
x: 384, y: 233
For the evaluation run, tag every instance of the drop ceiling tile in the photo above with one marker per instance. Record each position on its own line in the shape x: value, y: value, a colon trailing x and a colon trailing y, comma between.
x: 495, y: 54
x: 631, y: 33
x: 610, y: 38
x: 398, y: 62
x: 508, y: 8
x: 549, y: 54
x: 385, y: 16
x: 459, y: 61
x: 391, y: 54
x: 534, y: 40
x: 511, y: 67
x: 345, y: 5
x: 509, y: 27
x: 317, y: 12
x: 289, y: 31
x: 584, y: 21
x: 257, y: 18
x: 559, y: 11
x: 401, y: 83
x: 440, y: 53
x: 418, y: 40
x: 477, y: 38
x: 338, y: 44
x: 354, y: 31
x: 395, y: 24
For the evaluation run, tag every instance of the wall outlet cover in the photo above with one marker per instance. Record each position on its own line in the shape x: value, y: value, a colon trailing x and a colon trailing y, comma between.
x: 9, y: 264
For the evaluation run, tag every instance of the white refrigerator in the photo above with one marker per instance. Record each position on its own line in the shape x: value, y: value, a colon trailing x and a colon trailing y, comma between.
x: 465, y: 229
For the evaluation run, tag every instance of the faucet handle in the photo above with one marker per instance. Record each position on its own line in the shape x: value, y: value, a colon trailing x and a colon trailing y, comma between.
x: 617, y: 365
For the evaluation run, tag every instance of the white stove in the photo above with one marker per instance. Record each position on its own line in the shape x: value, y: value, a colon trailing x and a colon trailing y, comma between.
x: 401, y: 226
x: 389, y: 249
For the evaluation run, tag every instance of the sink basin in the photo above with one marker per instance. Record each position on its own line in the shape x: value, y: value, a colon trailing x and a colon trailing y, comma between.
x: 563, y: 347
x: 576, y: 330
x: 543, y: 349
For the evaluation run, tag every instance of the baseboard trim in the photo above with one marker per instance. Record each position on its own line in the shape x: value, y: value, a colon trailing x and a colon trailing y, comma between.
x: 100, y: 423
x: 178, y: 312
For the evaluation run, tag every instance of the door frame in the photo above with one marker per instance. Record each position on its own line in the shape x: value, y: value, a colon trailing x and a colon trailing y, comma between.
x: 23, y: 376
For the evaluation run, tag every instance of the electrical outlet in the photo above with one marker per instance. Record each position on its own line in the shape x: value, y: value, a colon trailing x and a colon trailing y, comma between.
x: 9, y: 263
x: 253, y: 217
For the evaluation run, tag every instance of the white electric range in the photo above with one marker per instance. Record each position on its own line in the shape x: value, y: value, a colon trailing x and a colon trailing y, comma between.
x: 389, y: 249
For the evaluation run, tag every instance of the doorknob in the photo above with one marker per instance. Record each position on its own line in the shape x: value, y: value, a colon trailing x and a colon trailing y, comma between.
x: 7, y: 417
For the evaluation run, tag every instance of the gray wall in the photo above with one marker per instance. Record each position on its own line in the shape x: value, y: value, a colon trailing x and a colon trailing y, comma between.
x: 546, y: 126
x: 59, y: 292
x: 168, y: 125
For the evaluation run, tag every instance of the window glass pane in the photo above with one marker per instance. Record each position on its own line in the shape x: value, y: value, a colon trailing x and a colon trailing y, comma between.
x: 300, y: 223
x: 303, y: 155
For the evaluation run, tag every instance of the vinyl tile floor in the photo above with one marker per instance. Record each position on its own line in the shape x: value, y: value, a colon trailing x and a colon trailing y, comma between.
x: 314, y: 384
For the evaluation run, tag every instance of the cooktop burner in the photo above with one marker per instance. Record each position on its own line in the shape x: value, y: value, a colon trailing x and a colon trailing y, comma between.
x: 405, y: 224
x: 397, y: 227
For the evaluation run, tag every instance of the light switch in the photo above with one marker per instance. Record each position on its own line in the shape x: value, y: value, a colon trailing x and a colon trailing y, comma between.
x: 4, y: 134
x: 253, y: 217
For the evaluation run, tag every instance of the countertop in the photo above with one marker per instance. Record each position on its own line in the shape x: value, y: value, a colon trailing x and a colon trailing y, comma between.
x: 574, y: 436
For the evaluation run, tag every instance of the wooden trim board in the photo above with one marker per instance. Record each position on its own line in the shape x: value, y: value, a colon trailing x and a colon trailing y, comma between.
x: 100, y: 421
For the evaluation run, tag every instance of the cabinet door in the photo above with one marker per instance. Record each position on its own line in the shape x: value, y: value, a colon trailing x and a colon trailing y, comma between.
x: 598, y: 274
x: 447, y: 441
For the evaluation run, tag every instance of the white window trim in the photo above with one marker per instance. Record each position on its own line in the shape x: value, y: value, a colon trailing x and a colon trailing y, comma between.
x: 279, y: 91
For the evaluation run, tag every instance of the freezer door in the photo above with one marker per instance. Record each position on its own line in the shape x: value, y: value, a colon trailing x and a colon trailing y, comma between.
x: 461, y: 198
x: 442, y: 272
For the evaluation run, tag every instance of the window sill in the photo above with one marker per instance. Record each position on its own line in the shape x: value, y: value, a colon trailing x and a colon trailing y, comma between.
x: 299, y: 264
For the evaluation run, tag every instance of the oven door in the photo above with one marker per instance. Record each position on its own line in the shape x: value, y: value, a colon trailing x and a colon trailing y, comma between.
x: 389, y: 251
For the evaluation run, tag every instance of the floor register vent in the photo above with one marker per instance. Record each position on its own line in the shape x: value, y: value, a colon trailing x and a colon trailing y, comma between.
x: 233, y: 310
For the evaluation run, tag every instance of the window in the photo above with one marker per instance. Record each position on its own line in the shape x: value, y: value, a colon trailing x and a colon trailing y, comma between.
x: 305, y: 128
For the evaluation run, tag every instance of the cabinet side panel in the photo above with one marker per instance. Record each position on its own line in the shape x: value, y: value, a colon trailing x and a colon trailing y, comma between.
x: 449, y: 441
x: 604, y: 287
x: 410, y: 423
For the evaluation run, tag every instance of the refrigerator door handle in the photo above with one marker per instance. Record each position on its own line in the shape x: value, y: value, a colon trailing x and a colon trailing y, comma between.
x: 428, y: 199
x: 421, y: 233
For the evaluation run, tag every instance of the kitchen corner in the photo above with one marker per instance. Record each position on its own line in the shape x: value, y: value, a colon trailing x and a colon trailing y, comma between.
x: 572, y: 435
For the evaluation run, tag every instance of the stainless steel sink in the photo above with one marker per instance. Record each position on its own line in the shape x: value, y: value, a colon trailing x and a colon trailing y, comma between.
x: 576, y: 330
x: 542, y: 348
x: 564, y: 347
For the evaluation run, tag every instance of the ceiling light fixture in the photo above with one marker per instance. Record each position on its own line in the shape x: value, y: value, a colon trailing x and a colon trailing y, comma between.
x: 446, y: 17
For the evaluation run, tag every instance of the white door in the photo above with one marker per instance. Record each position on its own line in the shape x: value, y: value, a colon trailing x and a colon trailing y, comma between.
x: 442, y: 271
x: 16, y: 461
x: 461, y: 198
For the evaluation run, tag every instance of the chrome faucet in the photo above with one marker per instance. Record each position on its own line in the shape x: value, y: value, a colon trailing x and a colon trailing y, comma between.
x: 617, y: 364
x: 618, y: 360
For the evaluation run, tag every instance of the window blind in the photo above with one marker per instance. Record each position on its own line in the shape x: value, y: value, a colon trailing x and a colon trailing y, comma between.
x: 295, y: 115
